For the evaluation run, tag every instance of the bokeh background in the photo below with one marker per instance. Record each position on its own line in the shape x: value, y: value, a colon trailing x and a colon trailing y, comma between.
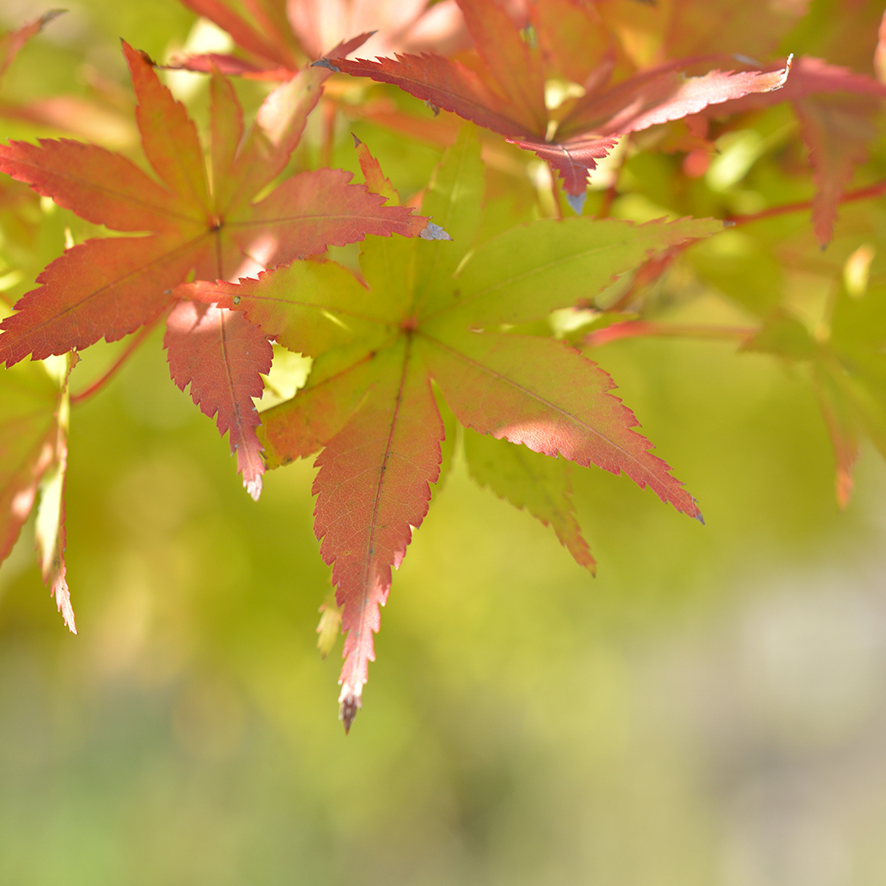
x: 709, y: 711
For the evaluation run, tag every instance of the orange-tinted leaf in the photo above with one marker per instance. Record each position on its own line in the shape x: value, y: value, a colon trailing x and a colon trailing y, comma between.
x: 101, y: 288
x: 222, y: 355
x: 444, y: 83
x: 50, y: 522
x: 545, y: 395
x: 372, y: 488
x: 301, y: 426
x: 665, y: 94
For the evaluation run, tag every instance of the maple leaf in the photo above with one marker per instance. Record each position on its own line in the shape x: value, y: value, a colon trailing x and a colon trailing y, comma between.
x: 529, y: 480
x: 33, y: 459
x: 432, y: 315
x: 508, y: 95
x: 209, y: 223
x: 280, y: 37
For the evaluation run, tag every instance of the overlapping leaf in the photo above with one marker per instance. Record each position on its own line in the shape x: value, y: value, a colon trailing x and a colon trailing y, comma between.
x: 281, y: 37
x: 206, y: 223
x: 507, y: 95
x: 434, y: 313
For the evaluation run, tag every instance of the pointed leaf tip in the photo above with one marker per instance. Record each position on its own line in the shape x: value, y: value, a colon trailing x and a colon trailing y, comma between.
x: 63, y: 600
x: 434, y: 232
x: 349, y: 705
x: 784, y: 76
x: 254, y: 487
x: 577, y: 202
x: 45, y: 19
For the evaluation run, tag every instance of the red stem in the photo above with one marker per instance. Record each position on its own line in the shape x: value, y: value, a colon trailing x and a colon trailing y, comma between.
x: 99, y: 383
x: 645, y: 328
x: 849, y: 197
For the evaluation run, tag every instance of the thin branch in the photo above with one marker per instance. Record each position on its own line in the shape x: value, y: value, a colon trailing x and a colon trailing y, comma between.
x: 647, y: 329
x: 875, y: 190
x: 99, y: 383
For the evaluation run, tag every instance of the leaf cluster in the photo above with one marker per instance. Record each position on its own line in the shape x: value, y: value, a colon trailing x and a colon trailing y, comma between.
x: 594, y: 169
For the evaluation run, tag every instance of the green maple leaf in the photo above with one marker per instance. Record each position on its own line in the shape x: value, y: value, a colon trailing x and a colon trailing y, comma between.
x: 437, y: 314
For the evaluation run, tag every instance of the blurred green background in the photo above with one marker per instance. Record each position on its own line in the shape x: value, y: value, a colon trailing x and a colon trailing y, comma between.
x: 711, y: 709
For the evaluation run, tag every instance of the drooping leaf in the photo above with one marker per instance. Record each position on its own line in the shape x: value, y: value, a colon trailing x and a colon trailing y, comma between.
x: 527, y: 479
x: 221, y: 355
x: 434, y: 312
x: 33, y: 461
x: 373, y: 486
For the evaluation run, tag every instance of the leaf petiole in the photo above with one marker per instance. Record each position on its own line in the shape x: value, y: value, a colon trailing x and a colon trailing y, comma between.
x: 101, y: 381
x: 645, y: 328
x: 875, y: 190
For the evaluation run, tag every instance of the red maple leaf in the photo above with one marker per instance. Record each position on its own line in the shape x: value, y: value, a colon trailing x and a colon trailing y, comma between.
x: 505, y: 92
x: 206, y: 223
